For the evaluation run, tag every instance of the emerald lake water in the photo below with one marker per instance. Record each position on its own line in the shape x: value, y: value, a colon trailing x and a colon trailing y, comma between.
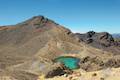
x: 70, y: 62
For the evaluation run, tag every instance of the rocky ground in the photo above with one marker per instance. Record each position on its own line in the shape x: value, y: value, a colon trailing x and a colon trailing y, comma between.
x: 106, y: 74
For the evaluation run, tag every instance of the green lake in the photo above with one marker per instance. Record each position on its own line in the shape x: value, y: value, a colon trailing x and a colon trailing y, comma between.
x: 70, y: 62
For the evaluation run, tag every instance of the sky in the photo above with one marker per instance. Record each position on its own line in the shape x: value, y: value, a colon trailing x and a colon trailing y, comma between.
x: 78, y: 15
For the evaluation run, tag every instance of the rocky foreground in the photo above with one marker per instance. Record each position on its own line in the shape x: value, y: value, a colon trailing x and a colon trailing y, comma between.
x: 106, y: 74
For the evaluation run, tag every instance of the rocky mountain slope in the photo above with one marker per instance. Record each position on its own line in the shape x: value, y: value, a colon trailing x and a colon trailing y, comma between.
x: 103, y: 40
x: 27, y: 49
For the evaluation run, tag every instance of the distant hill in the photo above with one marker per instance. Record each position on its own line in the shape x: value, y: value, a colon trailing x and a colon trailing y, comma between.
x: 117, y: 35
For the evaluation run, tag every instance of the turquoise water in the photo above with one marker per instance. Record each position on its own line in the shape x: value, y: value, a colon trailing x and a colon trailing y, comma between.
x: 70, y: 62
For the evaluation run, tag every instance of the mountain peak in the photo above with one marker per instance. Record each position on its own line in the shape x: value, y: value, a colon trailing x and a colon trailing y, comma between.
x: 38, y: 20
x: 39, y: 17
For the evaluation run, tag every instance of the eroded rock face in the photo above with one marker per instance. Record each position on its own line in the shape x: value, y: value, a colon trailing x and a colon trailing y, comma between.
x: 101, y: 40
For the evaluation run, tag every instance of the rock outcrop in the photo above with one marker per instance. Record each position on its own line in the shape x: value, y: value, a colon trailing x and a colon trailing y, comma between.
x: 102, y: 40
x: 58, y: 71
